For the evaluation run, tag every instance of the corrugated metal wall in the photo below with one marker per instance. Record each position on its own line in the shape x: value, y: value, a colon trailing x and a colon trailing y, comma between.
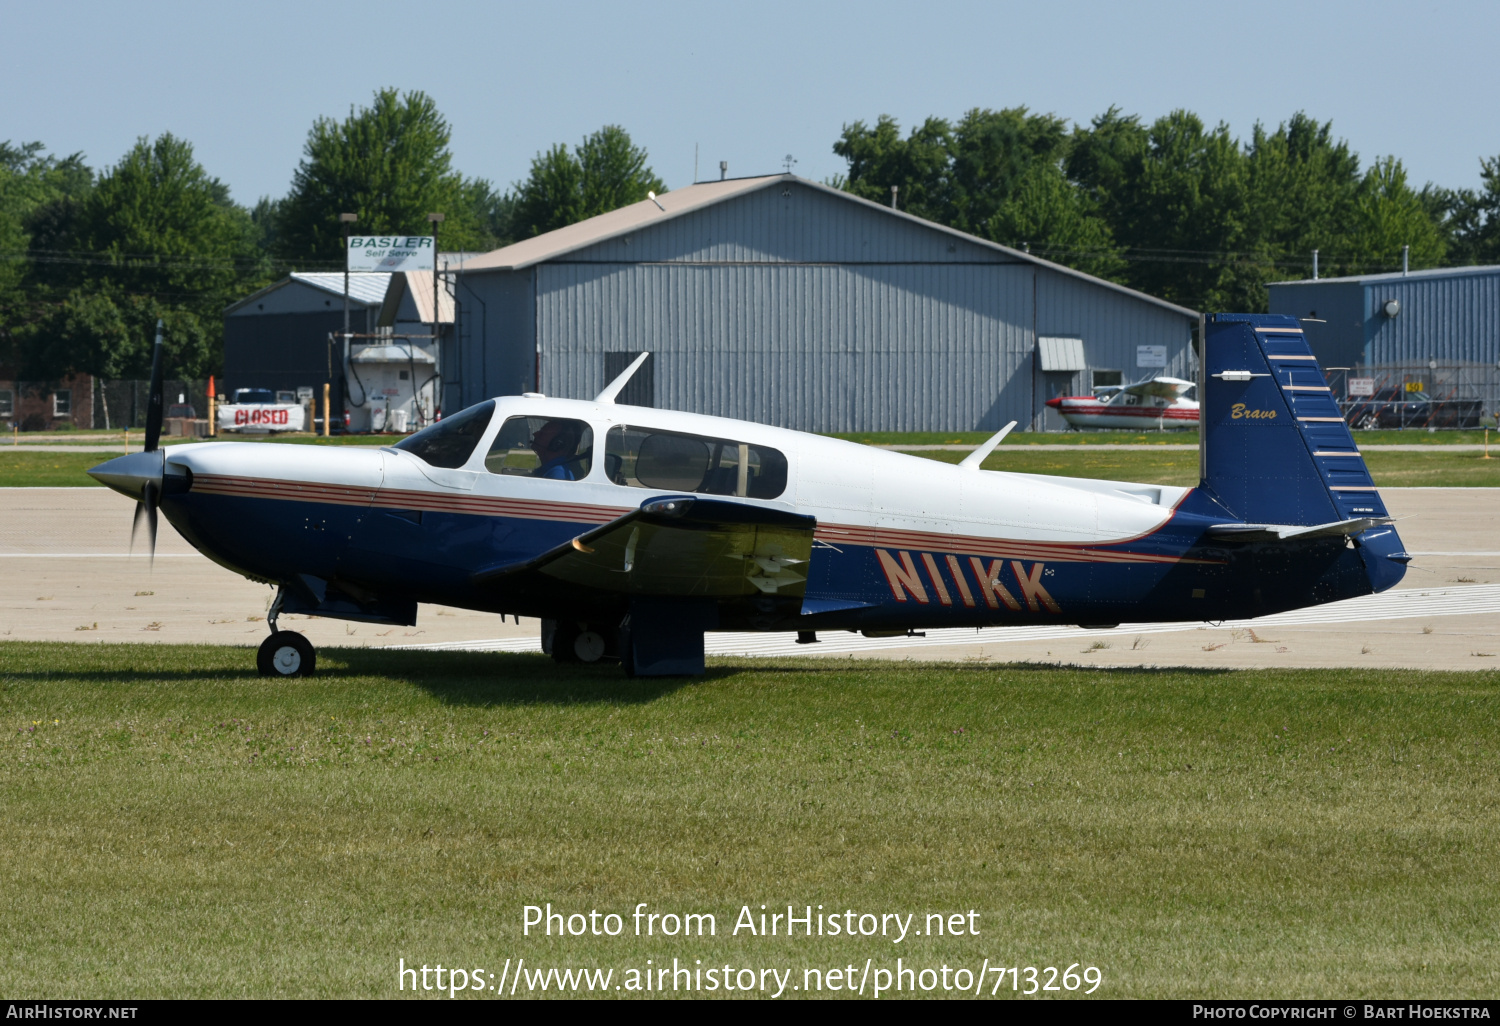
x: 804, y: 310
x: 823, y: 347
x: 789, y: 223
x: 1340, y: 340
x: 496, y: 335
x: 1451, y: 318
x: 1448, y: 319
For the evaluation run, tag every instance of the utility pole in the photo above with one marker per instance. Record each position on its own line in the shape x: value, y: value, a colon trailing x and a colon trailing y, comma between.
x: 435, y: 220
x: 345, y: 220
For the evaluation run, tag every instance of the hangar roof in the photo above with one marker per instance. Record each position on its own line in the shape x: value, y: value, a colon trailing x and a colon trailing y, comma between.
x: 678, y: 202
x: 617, y: 222
x: 367, y: 288
x: 1431, y: 272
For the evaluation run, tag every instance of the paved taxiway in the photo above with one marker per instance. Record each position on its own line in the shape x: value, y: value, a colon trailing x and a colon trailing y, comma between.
x: 69, y: 579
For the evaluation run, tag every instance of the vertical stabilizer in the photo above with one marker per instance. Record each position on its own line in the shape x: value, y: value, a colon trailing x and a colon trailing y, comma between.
x: 1276, y: 449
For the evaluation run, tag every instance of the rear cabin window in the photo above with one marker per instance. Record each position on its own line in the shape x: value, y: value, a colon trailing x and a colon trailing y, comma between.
x: 549, y: 447
x: 451, y: 441
x: 671, y: 460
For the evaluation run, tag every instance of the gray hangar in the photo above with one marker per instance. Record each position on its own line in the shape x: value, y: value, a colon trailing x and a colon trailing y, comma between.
x: 780, y: 300
x: 1449, y: 315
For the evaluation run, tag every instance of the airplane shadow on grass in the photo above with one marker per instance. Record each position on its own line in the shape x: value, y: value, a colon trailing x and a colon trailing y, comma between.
x: 491, y: 679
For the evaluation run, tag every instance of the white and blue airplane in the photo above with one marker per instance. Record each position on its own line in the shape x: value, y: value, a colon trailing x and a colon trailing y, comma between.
x: 632, y: 531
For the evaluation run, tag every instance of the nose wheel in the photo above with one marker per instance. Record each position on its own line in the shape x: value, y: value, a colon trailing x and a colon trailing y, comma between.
x: 286, y: 654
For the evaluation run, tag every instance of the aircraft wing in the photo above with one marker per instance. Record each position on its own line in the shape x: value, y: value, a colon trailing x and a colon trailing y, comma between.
x: 681, y: 546
x: 1166, y: 388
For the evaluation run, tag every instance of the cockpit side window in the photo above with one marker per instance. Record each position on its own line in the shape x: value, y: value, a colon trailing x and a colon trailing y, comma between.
x: 676, y: 461
x: 551, y: 447
x: 451, y: 441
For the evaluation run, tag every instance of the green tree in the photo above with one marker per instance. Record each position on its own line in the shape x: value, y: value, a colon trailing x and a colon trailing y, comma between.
x: 919, y: 166
x: 1390, y: 215
x: 37, y: 190
x: 553, y: 194
x: 995, y: 174
x: 1045, y: 206
x: 1174, y: 196
x: 1303, y: 195
x: 606, y: 172
x: 389, y: 163
x: 157, y: 236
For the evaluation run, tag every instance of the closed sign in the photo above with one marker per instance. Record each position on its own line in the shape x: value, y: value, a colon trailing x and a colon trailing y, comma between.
x: 261, y: 417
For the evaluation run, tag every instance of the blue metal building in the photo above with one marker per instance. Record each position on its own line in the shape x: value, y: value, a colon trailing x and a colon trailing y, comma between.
x: 1449, y: 316
x: 784, y: 301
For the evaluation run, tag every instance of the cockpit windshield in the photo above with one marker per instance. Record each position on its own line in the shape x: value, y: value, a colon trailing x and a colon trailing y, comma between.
x: 450, y: 442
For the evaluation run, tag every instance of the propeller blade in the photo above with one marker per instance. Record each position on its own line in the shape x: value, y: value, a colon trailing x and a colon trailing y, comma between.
x: 149, y: 496
x: 153, y: 402
x: 145, y: 508
x: 135, y: 521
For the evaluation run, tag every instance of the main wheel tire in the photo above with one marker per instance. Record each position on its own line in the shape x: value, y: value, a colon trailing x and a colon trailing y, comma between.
x: 589, y: 646
x: 286, y: 654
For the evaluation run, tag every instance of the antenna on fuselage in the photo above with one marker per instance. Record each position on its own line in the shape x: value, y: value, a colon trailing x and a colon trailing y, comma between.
x: 616, y: 386
x: 975, y: 458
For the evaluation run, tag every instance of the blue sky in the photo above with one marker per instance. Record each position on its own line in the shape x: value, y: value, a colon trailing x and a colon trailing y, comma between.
x: 747, y: 83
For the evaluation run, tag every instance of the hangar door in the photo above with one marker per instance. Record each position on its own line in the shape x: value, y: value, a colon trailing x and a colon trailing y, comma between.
x: 818, y: 347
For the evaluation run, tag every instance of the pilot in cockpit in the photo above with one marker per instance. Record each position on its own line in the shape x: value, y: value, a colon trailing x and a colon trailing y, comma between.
x: 555, y: 444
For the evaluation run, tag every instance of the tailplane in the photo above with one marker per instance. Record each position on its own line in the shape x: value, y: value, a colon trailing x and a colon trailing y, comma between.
x: 1276, y: 453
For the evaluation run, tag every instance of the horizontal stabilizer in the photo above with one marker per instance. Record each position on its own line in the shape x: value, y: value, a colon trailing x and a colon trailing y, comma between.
x: 1284, y: 532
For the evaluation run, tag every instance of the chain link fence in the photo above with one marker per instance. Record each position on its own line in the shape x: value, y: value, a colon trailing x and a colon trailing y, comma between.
x: 122, y: 403
x: 1416, y: 396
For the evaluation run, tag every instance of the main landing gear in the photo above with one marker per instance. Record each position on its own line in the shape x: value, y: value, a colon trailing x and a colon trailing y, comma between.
x: 570, y: 641
x: 284, y: 653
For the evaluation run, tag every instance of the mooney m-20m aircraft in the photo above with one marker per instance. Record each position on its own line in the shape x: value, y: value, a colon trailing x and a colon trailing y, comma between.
x: 630, y: 532
x: 1159, y: 403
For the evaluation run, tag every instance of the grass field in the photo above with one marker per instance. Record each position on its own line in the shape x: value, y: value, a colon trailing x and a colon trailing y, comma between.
x: 1170, y: 466
x: 175, y: 825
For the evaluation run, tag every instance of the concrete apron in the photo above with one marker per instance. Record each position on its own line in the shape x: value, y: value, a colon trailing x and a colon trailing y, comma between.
x: 72, y: 580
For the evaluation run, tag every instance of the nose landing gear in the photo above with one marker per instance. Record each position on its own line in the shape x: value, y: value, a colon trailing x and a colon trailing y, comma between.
x: 284, y: 653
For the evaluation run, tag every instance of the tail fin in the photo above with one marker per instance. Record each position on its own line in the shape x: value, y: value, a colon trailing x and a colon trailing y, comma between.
x: 1275, y: 447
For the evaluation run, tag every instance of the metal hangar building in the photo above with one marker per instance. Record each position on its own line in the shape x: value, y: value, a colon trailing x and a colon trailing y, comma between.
x: 781, y: 300
x: 1436, y: 332
x: 1449, y: 315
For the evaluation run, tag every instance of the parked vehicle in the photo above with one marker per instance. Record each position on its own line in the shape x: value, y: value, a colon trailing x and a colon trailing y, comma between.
x: 253, y: 396
x: 1398, y: 408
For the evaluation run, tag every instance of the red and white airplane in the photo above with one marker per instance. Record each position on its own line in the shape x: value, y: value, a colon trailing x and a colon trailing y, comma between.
x: 1158, y: 403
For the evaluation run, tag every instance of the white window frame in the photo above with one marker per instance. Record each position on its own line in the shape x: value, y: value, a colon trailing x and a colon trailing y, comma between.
x: 62, y: 402
x: 7, y: 402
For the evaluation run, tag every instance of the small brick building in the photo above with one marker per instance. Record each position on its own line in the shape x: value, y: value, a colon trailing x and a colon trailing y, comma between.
x: 45, y: 405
